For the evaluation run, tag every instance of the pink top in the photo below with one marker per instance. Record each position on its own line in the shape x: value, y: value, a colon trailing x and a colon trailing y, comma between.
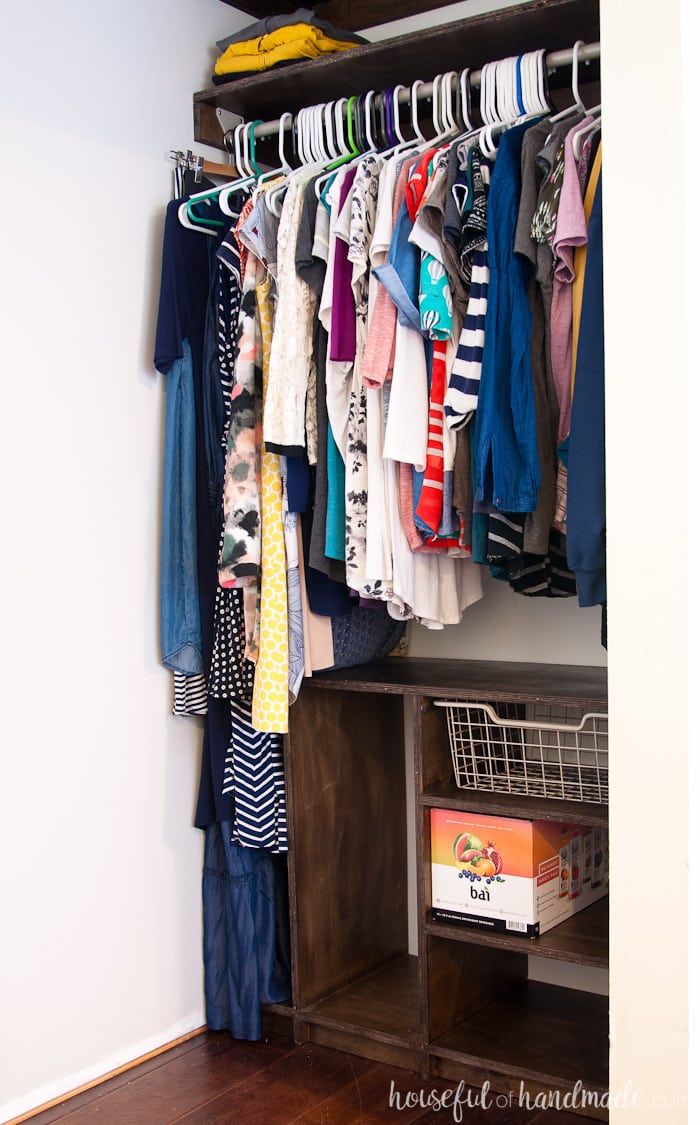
x: 571, y: 231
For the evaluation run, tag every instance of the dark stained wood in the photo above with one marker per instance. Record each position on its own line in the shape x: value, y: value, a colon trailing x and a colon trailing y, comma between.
x: 384, y: 1005
x: 349, y: 901
x: 276, y: 1083
x: 261, y: 9
x: 548, y: 24
x: 434, y: 769
x: 171, y: 1084
x: 366, y: 1046
x: 580, y: 940
x: 516, y: 1091
x: 462, y: 979
x: 368, y: 1100
x: 348, y: 15
x: 557, y: 1035
x: 505, y: 804
x: 305, y: 1076
x: 460, y: 973
x: 473, y: 679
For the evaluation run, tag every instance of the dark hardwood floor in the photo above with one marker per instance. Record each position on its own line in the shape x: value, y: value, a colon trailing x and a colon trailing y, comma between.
x: 215, y: 1080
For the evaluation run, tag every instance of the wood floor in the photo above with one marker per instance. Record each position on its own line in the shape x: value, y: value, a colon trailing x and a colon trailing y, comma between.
x: 216, y: 1080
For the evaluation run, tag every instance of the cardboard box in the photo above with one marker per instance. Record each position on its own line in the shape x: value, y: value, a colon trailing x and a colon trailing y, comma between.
x: 515, y: 876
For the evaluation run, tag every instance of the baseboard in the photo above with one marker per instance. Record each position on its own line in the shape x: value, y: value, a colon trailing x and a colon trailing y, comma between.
x: 105, y: 1077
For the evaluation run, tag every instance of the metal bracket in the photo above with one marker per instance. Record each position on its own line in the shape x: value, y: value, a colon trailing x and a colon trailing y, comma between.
x: 228, y: 120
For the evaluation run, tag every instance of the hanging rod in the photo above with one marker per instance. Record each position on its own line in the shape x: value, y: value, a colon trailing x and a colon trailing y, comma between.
x: 553, y: 61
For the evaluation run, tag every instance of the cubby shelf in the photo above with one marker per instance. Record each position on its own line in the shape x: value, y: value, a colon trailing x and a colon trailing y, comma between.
x: 455, y: 1008
x: 581, y: 939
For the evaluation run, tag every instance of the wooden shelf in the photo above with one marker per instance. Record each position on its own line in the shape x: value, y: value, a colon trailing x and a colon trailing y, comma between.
x: 535, y: 1032
x: 383, y: 1005
x: 580, y: 940
x: 448, y: 796
x: 548, y: 24
x: 376, y: 1016
x: 577, y: 685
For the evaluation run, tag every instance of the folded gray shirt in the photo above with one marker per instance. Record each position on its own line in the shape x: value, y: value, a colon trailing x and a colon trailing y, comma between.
x: 272, y: 23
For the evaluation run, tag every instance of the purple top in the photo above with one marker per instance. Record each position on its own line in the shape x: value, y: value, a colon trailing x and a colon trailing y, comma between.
x: 342, y: 342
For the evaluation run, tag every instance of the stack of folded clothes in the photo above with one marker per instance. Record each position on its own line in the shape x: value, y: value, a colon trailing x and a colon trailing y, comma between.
x: 278, y: 41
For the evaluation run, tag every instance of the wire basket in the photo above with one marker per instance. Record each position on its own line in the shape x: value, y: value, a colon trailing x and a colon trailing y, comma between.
x: 533, y: 749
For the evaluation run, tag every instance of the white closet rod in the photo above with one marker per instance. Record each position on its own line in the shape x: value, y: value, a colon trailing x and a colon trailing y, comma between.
x: 553, y: 61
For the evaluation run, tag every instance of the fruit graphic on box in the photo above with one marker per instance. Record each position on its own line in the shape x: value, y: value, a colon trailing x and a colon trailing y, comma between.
x: 475, y: 860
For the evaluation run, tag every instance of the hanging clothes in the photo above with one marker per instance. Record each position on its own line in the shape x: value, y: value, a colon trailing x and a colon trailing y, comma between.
x: 367, y: 388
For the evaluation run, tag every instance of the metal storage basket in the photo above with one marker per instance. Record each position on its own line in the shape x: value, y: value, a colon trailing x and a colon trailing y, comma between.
x: 534, y: 749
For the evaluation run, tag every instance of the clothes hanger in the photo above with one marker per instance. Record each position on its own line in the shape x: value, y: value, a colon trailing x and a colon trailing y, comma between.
x: 420, y: 135
x: 379, y: 118
x: 449, y: 118
x: 579, y: 134
x: 394, y: 137
x: 284, y: 166
x: 578, y: 106
x: 245, y: 180
x: 352, y: 154
x: 339, y: 119
x: 326, y: 154
x: 330, y: 131
x: 465, y: 101
x: 359, y: 119
x: 367, y: 109
x: 522, y: 79
x: 544, y: 104
x: 192, y: 221
x: 507, y: 108
x: 398, y: 89
x: 189, y: 217
x: 487, y: 94
x: 251, y: 146
x: 443, y: 120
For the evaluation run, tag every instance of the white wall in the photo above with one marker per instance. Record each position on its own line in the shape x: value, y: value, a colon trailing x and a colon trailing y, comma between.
x: 100, y: 954
x: 652, y: 523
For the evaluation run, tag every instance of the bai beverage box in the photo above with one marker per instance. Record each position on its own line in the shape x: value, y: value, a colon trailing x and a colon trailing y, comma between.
x: 518, y: 876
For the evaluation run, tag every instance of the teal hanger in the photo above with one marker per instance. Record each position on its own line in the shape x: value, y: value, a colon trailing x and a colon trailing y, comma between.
x: 251, y: 146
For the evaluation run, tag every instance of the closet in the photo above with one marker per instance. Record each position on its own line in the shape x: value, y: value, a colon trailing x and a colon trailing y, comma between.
x: 462, y: 1006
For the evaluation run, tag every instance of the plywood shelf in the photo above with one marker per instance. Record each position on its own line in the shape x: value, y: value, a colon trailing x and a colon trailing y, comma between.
x: 581, y: 940
x: 449, y: 796
x: 383, y: 1005
x: 554, y: 1037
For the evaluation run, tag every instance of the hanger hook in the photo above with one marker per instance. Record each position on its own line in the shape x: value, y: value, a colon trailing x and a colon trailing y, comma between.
x: 465, y: 98
x: 414, y: 109
x: 574, y: 75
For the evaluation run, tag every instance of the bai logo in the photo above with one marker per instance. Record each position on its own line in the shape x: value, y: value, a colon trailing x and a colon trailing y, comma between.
x: 478, y: 862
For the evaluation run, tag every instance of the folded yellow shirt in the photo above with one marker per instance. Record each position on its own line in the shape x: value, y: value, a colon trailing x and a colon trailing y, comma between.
x: 299, y: 41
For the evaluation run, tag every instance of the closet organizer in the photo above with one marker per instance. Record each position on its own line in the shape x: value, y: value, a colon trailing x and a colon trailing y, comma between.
x: 460, y: 1005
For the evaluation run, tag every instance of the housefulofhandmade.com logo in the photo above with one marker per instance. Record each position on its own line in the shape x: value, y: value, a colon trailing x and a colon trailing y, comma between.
x: 460, y: 1100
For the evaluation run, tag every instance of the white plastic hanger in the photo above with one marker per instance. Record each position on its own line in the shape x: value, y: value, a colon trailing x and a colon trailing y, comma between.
x: 578, y: 106
x: 487, y: 103
x: 328, y: 123
x: 579, y: 135
x: 465, y: 101
x: 448, y: 114
x: 420, y: 136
